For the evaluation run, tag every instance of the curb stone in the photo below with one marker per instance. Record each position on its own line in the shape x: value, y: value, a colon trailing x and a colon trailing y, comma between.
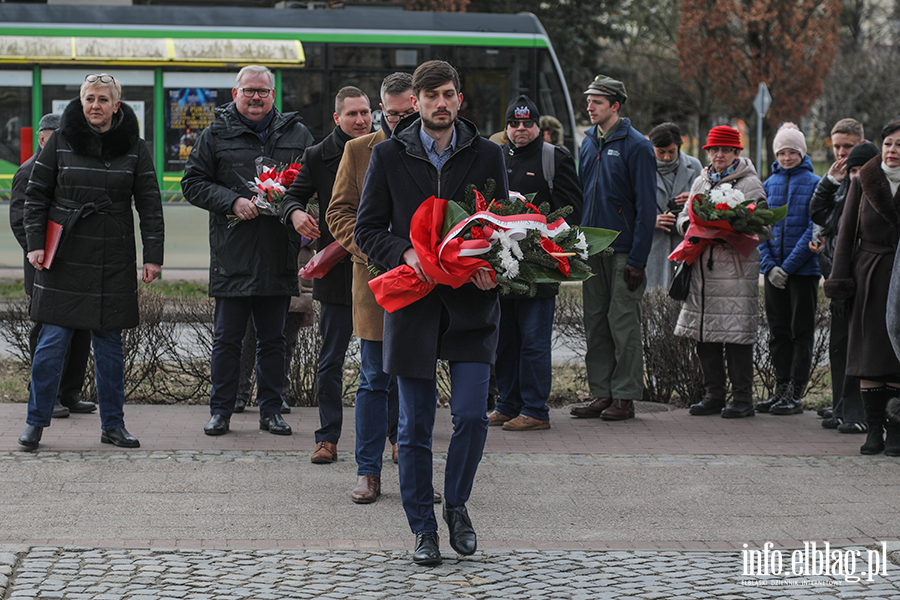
x: 10, y: 555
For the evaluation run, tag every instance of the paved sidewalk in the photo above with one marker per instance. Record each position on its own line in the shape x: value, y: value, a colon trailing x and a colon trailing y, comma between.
x: 656, y: 507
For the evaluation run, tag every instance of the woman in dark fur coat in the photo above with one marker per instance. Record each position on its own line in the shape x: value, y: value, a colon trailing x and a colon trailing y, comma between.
x: 85, y: 179
x: 863, y: 261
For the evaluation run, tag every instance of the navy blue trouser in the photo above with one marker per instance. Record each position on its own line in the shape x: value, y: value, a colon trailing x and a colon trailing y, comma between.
x: 418, y: 403
x: 230, y: 322
x: 336, y: 328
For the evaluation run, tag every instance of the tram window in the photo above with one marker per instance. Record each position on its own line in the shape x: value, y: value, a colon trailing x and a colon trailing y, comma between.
x: 15, y: 113
x: 490, y: 78
x: 373, y: 57
x: 302, y: 91
x: 314, y: 54
x: 552, y: 96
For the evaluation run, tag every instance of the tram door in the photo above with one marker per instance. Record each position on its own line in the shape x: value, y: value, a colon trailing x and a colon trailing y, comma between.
x: 485, y: 96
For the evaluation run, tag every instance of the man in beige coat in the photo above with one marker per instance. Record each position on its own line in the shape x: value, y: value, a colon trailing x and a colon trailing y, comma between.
x: 368, y: 317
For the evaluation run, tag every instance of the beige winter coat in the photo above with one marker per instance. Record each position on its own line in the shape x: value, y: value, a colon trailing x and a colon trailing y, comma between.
x: 723, y: 302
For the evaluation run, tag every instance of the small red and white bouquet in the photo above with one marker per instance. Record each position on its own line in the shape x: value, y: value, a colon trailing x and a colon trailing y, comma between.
x: 269, y: 187
x: 518, y: 243
x: 723, y: 215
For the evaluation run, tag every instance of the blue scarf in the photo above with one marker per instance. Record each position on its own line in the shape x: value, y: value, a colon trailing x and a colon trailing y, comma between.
x: 260, y: 128
x: 715, y: 178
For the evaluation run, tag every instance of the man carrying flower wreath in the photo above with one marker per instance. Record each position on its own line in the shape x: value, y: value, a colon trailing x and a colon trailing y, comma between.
x: 437, y: 154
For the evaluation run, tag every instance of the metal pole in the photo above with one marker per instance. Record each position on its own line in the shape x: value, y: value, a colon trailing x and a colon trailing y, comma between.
x: 759, y: 144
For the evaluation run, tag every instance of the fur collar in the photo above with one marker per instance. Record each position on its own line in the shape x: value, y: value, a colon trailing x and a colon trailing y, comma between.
x: 878, y: 191
x: 83, y: 140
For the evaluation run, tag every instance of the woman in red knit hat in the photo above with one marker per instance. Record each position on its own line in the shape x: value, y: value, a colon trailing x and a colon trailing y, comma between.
x: 721, y: 310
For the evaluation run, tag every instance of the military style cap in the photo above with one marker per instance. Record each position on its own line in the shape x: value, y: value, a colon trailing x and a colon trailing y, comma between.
x: 607, y: 86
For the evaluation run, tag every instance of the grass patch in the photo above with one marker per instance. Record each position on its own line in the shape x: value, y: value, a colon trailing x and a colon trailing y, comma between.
x: 11, y: 289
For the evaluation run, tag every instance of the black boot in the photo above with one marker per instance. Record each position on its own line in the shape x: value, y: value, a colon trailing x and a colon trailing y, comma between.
x: 707, y: 406
x: 791, y: 403
x: 874, y: 400
x: 891, y: 426
x: 782, y: 389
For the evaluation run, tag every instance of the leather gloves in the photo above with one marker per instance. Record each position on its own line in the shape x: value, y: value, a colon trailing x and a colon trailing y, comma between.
x: 778, y: 277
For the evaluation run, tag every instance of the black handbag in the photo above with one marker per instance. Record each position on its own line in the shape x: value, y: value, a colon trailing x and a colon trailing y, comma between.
x: 681, y: 283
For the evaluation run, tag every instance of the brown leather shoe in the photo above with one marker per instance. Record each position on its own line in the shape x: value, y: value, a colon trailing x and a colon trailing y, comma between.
x: 591, y: 410
x: 496, y: 418
x: 619, y: 411
x: 367, y: 490
x: 438, y: 498
x: 325, y: 453
x: 394, y: 456
x: 525, y: 423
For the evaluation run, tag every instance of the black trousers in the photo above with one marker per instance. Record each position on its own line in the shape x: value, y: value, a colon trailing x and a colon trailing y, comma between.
x: 739, y: 357
x: 336, y: 328
x: 791, y: 313
x: 72, y: 379
x: 230, y: 323
x: 845, y: 397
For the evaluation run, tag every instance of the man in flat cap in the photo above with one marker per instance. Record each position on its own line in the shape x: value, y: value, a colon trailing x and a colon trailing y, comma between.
x: 68, y: 399
x: 523, y: 364
x: 618, y: 177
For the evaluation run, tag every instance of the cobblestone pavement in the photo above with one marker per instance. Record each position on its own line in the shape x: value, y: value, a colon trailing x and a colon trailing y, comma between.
x: 60, y: 573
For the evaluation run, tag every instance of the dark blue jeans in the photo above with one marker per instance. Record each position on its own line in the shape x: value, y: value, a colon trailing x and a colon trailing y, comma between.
x: 523, y: 367
x: 230, y: 322
x: 47, y: 366
x: 336, y: 328
x: 371, y: 409
x: 418, y: 404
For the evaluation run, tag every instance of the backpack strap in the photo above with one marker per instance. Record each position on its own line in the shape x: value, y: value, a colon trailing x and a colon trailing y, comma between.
x: 548, y: 164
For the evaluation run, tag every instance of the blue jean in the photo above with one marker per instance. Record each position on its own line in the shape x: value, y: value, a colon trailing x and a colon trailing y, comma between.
x: 336, y: 328
x: 523, y: 366
x: 47, y: 367
x: 418, y: 404
x: 371, y: 409
x: 230, y: 323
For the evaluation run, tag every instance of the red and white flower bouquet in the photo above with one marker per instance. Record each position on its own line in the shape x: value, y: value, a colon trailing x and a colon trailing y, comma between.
x: 269, y: 187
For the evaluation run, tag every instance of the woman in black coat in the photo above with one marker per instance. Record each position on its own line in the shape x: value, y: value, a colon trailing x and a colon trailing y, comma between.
x: 87, y: 175
x: 863, y: 260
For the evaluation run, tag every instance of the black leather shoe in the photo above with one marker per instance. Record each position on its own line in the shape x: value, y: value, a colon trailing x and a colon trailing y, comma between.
x: 275, y: 424
x: 782, y: 391
x: 239, y: 405
x: 427, y: 552
x: 31, y: 437
x: 788, y: 406
x: 285, y: 408
x: 462, y: 535
x: 60, y: 411
x: 79, y: 407
x: 119, y: 437
x: 738, y: 410
x: 218, y: 425
x: 707, y: 406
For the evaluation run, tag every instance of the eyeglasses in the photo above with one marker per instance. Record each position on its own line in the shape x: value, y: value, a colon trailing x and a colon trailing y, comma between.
x: 249, y: 92
x: 100, y: 78
x: 397, y: 118
x: 527, y: 124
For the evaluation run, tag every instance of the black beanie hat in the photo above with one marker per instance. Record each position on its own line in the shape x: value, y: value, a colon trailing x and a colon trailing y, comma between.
x: 522, y: 108
x: 861, y: 154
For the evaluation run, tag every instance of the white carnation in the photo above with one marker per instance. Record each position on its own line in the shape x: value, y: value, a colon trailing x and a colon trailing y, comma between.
x: 509, y: 264
x: 581, y: 246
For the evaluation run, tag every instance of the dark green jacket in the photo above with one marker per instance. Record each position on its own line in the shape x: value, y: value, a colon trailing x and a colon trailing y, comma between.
x: 86, y: 181
x: 256, y: 257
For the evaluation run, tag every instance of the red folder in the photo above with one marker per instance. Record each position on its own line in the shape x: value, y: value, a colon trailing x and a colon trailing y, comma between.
x: 51, y: 242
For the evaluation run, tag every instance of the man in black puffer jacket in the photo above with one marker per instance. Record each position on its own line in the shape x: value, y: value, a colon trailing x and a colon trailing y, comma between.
x: 252, y: 265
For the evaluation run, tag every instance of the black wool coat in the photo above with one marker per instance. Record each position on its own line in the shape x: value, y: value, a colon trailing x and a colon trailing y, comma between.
x: 257, y: 257
x: 863, y: 261
x: 317, y: 174
x: 453, y: 324
x: 86, y: 181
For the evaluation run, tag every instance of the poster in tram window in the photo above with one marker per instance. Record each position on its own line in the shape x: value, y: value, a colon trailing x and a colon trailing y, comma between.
x: 188, y: 112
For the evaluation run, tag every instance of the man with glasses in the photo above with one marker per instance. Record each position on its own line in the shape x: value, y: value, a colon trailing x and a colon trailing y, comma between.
x: 352, y: 119
x: 523, y: 366
x: 376, y: 398
x: 618, y: 177
x: 253, y: 265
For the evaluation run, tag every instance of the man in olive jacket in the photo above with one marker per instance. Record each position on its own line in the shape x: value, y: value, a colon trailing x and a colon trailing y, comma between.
x: 252, y: 265
x: 437, y: 154
x: 353, y: 119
